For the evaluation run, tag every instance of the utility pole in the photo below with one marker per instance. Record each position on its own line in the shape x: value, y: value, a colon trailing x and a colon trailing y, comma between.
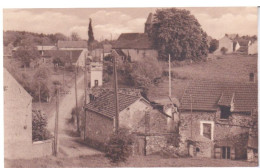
x: 85, y: 99
x: 56, y: 130
x: 116, y: 96
x: 76, y: 98
x: 170, y: 83
x: 191, y: 116
x: 63, y: 78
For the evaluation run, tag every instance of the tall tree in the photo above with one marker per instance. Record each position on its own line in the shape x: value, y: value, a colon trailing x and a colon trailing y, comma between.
x: 178, y: 33
x: 75, y: 36
x: 90, y: 33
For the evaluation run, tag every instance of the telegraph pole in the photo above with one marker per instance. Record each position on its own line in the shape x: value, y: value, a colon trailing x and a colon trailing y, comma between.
x: 191, y: 116
x: 170, y: 83
x: 56, y: 130
x: 85, y: 100
x: 76, y: 98
x: 116, y: 96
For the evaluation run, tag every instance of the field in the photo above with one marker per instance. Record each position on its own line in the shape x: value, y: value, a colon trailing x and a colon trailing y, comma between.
x: 231, y: 67
x: 137, y: 161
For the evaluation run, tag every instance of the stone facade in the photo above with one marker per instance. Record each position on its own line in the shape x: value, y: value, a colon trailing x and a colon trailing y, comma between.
x: 231, y: 132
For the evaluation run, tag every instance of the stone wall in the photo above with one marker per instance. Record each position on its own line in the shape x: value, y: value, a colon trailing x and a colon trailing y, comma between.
x: 155, y: 143
x: 98, y: 127
x: 231, y: 132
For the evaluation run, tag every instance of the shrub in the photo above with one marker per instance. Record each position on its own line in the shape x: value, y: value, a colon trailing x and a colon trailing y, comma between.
x: 223, y: 50
x: 39, y: 123
x: 119, y: 146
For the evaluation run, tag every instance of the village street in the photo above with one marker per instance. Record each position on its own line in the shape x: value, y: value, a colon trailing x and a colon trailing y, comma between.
x: 68, y: 144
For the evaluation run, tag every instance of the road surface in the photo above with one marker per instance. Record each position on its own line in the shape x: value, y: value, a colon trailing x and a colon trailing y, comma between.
x: 68, y: 144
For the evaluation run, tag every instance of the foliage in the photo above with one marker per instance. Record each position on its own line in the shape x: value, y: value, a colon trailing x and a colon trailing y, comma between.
x: 39, y: 124
x: 145, y: 72
x: 16, y: 37
x: 90, y: 33
x: 40, y: 84
x: 178, y: 33
x: 119, y: 146
x: 75, y: 36
x: 213, y: 46
x: 223, y: 50
x: 58, y: 61
x: 27, y: 52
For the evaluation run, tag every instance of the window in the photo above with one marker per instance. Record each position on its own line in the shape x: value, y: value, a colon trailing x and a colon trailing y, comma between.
x: 206, y: 129
x: 225, y: 152
x: 251, y: 77
x: 224, y: 112
x: 96, y: 83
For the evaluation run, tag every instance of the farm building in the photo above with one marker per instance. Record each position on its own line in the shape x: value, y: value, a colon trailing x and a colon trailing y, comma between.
x: 136, y: 46
x: 72, y: 45
x: 252, y: 48
x: 148, y: 125
x: 228, y: 42
x: 18, y: 142
x: 215, y: 118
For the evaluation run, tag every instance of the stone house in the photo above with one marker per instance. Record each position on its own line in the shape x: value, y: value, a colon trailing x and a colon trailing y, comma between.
x: 215, y: 118
x: 147, y: 124
x: 252, y: 146
x: 18, y: 142
x: 228, y: 42
x: 252, y: 48
x: 72, y: 45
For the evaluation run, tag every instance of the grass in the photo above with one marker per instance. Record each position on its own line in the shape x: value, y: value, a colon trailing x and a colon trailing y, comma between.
x: 135, y: 161
x: 231, y: 67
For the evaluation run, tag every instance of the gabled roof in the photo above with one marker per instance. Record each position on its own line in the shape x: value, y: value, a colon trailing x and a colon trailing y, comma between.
x: 133, y: 41
x: 69, y: 56
x: 149, y: 19
x: 105, y: 104
x: 72, y: 44
x: 208, y: 95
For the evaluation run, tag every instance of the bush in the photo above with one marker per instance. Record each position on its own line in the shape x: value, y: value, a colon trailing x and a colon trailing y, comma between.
x: 119, y: 146
x: 223, y: 50
x: 39, y: 123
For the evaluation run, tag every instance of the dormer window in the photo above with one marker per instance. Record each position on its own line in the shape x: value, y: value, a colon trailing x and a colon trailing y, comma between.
x: 224, y: 112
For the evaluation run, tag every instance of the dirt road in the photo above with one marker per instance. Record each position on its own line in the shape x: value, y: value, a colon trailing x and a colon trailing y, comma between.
x: 68, y: 144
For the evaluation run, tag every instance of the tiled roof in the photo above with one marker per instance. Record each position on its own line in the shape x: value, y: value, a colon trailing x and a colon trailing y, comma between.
x: 72, y: 44
x: 69, y: 56
x: 105, y: 104
x: 208, y: 95
x: 133, y: 41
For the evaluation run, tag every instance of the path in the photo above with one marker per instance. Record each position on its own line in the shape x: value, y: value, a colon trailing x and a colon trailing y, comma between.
x: 69, y: 145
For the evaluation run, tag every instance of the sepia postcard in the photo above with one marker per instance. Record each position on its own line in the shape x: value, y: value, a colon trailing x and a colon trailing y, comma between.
x: 130, y: 87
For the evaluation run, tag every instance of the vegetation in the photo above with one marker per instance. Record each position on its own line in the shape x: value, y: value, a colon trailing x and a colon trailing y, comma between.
x: 75, y: 36
x: 119, y: 146
x: 178, y: 33
x: 223, y: 50
x: 90, y: 33
x: 213, y: 46
x: 39, y: 124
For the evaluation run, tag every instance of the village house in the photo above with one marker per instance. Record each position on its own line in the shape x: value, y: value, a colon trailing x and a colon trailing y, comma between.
x: 146, y: 123
x: 72, y: 45
x: 96, y: 74
x: 18, y: 143
x: 215, y: 118
x: 136, y: 46
x: 229, y: 42
x: 252, y: 48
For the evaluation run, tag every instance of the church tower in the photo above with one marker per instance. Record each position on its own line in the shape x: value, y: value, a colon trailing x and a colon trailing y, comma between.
x: 148, y: 24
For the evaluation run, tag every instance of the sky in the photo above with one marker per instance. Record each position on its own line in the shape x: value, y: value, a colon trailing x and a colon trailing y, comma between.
x: 109, y: 23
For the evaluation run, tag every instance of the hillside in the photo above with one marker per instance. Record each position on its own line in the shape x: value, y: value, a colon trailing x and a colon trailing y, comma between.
x: 231, y: 67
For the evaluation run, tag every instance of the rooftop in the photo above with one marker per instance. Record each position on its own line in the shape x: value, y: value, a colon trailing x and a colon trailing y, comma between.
x: 133, y: 41
x: 208, y: 95
x: 72, y: 44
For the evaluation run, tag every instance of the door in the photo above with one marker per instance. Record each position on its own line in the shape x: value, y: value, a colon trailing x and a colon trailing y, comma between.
x: 96, y: 83
x: 225, y: 152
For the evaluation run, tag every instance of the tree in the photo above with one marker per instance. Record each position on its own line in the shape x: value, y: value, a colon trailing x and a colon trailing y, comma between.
x: 75, y: 36
x: 27, y: 52
x: 39, y: 124
x: 41, y: 78
x: 213, y: 45
x: 223, y: 50
x: 90, y: 33
x: 178, y: 33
